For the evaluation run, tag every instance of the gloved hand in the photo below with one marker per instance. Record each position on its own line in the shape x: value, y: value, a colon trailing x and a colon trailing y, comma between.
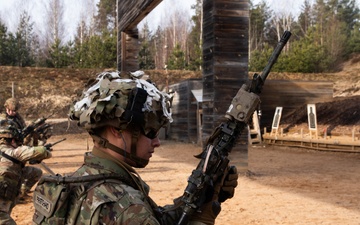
x: 223, y: 190
x: 206, y: 214
x: 48, y: 147
x: 48, y: 154
x: 230, y: 183
x: 42, y: 152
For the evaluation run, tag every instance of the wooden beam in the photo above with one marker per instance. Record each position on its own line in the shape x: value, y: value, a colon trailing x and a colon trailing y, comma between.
x: 131, y: 12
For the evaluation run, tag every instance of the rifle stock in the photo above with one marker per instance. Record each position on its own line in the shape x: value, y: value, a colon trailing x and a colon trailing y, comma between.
x: 214, y: 158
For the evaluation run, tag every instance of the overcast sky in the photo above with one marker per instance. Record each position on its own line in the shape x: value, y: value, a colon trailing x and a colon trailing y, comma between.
x: 11, y: 9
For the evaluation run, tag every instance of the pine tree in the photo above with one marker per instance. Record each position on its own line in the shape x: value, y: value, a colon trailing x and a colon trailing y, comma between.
x: 24, y: 40
x: 146, y: 60
x: 3, y: 47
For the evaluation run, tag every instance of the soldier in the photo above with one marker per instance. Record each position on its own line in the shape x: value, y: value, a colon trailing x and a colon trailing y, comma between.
x: 33, y: 138
x: 12, y: 167
x: 11, y: 112
x: 123, y: 117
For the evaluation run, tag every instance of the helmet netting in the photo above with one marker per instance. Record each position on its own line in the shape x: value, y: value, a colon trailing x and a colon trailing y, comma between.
x: 105, y: 102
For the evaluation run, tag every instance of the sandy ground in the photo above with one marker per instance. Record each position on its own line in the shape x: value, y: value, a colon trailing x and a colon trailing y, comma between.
x: 282, y: 186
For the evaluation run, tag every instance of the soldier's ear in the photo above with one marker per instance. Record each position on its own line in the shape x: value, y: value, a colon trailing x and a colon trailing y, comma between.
x: 114, y: 131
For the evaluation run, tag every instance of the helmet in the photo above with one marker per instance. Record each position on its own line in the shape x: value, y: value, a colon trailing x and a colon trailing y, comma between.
x: 8, y: 129
x: 122, y: 103
x: 12, y: 104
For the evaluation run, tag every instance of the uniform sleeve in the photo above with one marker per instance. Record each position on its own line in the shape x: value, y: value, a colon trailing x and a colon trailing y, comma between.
x: 26, y: 153
x: 113, y: 213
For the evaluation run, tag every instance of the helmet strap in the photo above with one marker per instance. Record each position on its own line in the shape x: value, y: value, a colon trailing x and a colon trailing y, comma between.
x: 140, y: 163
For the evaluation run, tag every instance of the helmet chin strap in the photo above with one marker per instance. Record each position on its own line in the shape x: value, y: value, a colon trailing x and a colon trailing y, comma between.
x: 139, y: 162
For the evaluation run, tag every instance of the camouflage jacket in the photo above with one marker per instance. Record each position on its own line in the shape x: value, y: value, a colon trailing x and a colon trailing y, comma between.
x: 122, y: 202
x: 17, y: 119
x: 11, y: 172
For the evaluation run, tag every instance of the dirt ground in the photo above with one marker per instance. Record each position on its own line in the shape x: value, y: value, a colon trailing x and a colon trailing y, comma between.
x: 281, y: 186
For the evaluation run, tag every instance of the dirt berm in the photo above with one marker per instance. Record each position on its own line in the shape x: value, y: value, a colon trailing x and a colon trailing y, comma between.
x: 45, y: 92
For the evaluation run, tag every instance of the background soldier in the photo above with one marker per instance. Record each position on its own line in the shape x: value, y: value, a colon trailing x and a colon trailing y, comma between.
x: 11, y: 112
x: 33, y: 138
x: 35, y: 135
x: 123, y: 116
x: 12, y: 167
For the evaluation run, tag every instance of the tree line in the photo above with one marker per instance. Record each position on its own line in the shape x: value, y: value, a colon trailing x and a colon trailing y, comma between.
x: 325, y: 33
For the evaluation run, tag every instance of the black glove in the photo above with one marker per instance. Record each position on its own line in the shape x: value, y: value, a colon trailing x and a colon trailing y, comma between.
x: 230, y: 182
x: 207, y: 213
x: 223, y: 190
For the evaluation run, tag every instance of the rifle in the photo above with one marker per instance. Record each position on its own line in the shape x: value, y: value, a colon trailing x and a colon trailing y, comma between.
x: 33, y: 126
x: 48, y: 148
x: 214, y: 160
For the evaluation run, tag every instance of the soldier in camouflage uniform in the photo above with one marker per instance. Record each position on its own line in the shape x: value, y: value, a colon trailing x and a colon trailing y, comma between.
x: 12, y: 167
x: 123, y: 117
x: 11, y: 107
x: 34, y: 138
x: 30, y: 176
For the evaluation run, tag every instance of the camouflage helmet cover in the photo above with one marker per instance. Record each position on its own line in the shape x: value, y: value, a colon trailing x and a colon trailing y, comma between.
x: 107, y: 100
x: 12, y: 104
x: 8, y: 129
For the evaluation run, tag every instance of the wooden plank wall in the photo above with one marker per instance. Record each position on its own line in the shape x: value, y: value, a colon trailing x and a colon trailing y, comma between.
x: 128, y: 59
x: 184, y: 127
x: 291, y: 95
x: 130, y: 13
x: 225, y: 58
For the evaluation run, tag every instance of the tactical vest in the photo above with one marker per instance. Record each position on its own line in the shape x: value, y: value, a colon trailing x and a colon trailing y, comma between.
x: 54, y: 194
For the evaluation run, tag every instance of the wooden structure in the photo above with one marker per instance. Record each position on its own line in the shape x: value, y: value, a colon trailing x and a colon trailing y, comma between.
x: 254, y: 130
x: 343, y: 143
x: 185, y: 112
x: 291, y: 95
x: 225, y: 59
x: 130, y: 13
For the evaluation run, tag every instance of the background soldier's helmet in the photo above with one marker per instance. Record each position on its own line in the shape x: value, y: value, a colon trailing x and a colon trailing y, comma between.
x: 8, y: 129
x: 111, y: 100
x: 12, y: 104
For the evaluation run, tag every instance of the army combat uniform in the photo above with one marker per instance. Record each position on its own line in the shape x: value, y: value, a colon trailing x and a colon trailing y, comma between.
x: 11, y: 172
x: 118, y: 201
x: 13, y: 105
x: 123, y: 200
x: 123, y: 117
x: 17, y: 119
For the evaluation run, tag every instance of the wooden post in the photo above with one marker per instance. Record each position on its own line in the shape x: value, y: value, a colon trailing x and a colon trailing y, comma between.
x: 130, y: 13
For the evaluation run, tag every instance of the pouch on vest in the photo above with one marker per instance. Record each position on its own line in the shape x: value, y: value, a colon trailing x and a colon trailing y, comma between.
x: 50, y: 201
x: 9, y: 189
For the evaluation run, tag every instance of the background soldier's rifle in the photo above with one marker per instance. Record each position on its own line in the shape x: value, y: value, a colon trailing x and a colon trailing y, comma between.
x: 36, y: 130
x: 48, y: 148
x: 33, y: 125
x: 214, y: 159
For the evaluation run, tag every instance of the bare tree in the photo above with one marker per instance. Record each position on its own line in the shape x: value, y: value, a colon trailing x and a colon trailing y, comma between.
x: 176, y: 28
x: 54, y: 24
x: 86, y: 25
x: 282, y: 22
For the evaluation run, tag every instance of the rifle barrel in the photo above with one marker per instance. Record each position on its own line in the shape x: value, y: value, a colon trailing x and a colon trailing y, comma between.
x: 56, y: 142
x: 284, y: 39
